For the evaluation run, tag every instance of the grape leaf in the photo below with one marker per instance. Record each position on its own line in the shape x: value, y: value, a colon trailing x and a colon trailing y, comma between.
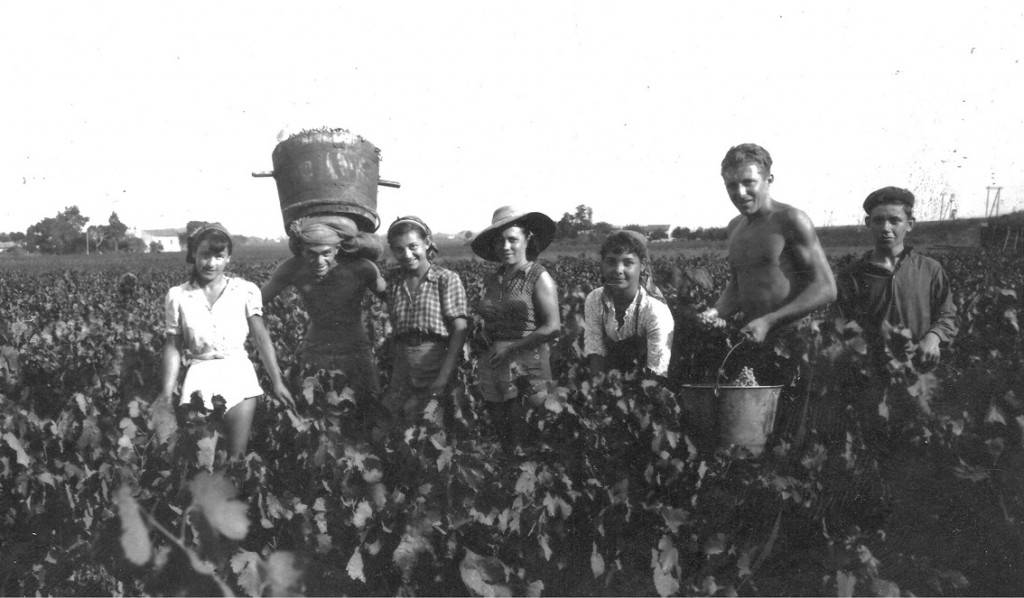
x: 13, y: 442
x: 483, y: 576
x: 543, y: 540
x: 207, y: 451
x: 214, y: 496
x: 408, y: 550
x: 162, y: 421
x: 134, y: 533
x: 355, y: 566
x: 674, y: 518
x: 596, y: 562
x: 246, y: 565
x: 282, y: 575
x: 362, y: 513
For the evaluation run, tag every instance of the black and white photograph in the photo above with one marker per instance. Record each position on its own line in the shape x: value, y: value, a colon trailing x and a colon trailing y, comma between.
x: 336, y: 298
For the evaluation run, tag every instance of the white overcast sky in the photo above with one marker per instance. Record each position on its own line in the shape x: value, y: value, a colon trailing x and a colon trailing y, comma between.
x: 160, y: 111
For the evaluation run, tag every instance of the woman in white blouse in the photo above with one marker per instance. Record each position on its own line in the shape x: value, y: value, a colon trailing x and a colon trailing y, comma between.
x: 627, y: 323
x: 208, y: 320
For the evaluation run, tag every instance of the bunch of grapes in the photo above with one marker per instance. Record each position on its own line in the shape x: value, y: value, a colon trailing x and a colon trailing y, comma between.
x: 745, y: 378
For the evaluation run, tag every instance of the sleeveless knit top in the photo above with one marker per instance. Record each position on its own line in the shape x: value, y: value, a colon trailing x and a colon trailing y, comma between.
x: 507, y: 303
x: 334, y: 305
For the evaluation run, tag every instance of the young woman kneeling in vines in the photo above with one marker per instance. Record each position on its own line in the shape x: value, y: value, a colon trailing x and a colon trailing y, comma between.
x: 627, y: 323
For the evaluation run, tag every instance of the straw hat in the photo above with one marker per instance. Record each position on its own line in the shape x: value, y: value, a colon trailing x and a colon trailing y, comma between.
x: 542, y: 228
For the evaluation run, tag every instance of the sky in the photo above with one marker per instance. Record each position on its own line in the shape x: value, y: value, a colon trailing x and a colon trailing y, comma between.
x: 161, y: 111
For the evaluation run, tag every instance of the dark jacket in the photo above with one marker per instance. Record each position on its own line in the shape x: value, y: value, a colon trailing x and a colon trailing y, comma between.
x: 914, y: 295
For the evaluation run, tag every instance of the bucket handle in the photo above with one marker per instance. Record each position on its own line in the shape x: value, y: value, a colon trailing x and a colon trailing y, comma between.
x: 721, y: 368
x: 381, y: 182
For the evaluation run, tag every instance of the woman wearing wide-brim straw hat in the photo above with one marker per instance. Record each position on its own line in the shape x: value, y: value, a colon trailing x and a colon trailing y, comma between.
x: 519, y: 308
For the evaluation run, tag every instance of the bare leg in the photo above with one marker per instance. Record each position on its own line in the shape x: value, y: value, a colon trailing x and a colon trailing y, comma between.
x: 239, y: 422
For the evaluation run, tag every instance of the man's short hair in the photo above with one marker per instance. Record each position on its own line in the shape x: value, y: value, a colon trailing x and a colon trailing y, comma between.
x: 890, y: 195
x: 747, y: 153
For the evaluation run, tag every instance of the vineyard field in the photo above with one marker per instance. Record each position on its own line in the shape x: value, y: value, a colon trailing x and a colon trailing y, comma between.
x: 605, y: 490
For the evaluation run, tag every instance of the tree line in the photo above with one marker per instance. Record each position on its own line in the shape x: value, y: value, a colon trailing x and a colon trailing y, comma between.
x: 579, y: 225
x: 69, y: 232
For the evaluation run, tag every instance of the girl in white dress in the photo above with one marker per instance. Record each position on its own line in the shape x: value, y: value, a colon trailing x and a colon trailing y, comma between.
x: 208, y: 320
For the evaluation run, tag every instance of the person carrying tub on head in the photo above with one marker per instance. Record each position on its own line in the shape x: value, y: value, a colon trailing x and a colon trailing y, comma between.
x: 331, y: 276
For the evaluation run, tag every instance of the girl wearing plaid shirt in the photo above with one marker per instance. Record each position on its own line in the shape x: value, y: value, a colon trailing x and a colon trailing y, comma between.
x: 429, y: 315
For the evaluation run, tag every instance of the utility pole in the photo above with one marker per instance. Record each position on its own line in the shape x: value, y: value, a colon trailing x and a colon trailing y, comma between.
x: 992, y: 202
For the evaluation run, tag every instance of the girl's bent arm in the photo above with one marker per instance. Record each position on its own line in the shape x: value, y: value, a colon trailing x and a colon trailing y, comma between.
x: 280, y: 279
x: 458, y: 332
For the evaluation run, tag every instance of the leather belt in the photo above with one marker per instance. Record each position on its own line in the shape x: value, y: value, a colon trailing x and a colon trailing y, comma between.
x: 417, y: 337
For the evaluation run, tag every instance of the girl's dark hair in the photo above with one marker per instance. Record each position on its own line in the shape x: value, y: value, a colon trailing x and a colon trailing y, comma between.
x: 219, y: 240
x: 624, y: 241
x: 400, y: 228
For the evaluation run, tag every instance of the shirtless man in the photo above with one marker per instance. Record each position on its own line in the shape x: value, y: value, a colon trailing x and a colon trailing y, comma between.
x: 778, y: 270
x: 332, y: 281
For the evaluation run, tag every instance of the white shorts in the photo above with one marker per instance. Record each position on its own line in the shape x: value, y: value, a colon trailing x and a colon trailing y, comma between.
x: 233, y: 378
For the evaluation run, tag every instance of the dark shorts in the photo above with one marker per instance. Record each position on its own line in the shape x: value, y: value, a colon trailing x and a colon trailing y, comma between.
x: 498, y: 384
x: 358, y: 366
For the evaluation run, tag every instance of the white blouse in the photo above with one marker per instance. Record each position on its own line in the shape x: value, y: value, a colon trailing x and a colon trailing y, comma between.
x: 212, y: 332
x: 656, y: 324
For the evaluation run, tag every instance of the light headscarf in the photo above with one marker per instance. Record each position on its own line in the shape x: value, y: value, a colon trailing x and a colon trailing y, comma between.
x: 321, y: 230
x: 424, y: 231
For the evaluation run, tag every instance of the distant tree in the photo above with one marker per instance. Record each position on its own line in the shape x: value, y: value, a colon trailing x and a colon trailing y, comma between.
x: 156, y: 247
x: 12, y: 236
x: 565, y: 228
x: 60, y: 234
x: 681, y: 232
x: 571, y: 225
x: 94, y: 236
x: 134, y: 244
x: 657, y: 235
x: 115, y: 231
x: 583, y: 220
x: 603, y: 228
x: 635, y: 228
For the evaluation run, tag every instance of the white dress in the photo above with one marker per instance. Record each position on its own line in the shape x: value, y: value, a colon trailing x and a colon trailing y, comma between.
x: 214, y: 340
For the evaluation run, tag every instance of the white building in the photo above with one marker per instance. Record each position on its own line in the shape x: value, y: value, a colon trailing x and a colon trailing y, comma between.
x: 167, y: 237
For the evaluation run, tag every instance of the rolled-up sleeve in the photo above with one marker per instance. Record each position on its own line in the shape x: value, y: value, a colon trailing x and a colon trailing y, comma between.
x: 253, y: 301
x: 659, y: 327
x: 593, y: 321
x: 452, y: 296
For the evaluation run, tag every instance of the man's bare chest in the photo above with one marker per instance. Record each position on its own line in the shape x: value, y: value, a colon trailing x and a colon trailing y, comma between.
x: 750, y: 248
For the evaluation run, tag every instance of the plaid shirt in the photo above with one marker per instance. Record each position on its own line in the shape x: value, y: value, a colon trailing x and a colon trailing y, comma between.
x: 439, y: 299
